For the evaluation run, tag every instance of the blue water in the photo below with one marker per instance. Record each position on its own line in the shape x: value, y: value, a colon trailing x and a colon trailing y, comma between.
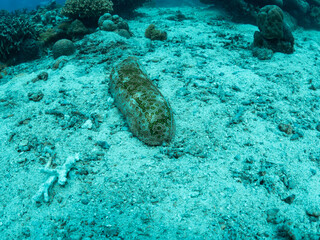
x: 12, y: 5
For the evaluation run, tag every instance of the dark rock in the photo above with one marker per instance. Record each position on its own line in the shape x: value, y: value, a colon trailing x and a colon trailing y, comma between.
x: 274, y: 32
x: 286, y: 128
x: 42, y: 76
x: 155, y: 34
x: 36, y: 97
x: 289, y: 199
x: 103, y: 144
x: 272, y: 216
x: 284, y: 45
x: 262, y: 53
x: 77, y: 29
x: 270, y: 22
x: 124, y: 33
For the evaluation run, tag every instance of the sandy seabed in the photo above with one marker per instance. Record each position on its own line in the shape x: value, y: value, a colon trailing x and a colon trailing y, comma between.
x: 244, y: 163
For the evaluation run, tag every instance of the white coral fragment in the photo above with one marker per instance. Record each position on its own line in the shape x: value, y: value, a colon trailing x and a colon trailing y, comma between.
x: 60, y: 173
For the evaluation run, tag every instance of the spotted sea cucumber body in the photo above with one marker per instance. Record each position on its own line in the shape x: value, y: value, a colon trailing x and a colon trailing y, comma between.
x: 147, y: 112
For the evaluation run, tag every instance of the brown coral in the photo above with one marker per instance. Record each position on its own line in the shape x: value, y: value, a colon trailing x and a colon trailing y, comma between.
x: 86, y: 9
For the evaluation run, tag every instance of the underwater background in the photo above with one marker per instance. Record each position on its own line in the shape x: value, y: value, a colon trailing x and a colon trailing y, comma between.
x: 12, y: 5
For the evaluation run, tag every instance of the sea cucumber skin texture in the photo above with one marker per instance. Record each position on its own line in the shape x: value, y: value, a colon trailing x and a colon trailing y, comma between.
x: 147, y: 112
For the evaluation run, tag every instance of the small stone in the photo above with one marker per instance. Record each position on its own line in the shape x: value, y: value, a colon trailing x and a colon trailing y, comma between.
x: 272, y: 216
x: 21, y: 160
x: 103, y: 144
x: 296, y: 135
x: 312, y: 87
x: 23, y: 143
x: 237, y: 157
x: 24, y: 146
x: 26, y: 232
x: 289, y: 199
x: 42, y: 76
x: 59, y: 199
x: 36, y: 97
x: 59, y: 63
x: 110, y: 231
x: 88, y: 124
x: 286, y: 128
x: 250, y: 160
x: 313, y: 211
x: 313, y: 171
x: 194, y: 194
x: 291, y: 184
x: 85, y: 201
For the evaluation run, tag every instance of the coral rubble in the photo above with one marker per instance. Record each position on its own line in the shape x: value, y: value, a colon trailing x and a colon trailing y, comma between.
x: 58, y: 174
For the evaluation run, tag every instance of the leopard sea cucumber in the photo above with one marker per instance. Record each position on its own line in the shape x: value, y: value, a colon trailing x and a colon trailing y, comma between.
x: 145, y: 109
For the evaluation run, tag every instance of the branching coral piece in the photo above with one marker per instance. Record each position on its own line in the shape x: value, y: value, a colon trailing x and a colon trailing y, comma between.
x: 60, y: 173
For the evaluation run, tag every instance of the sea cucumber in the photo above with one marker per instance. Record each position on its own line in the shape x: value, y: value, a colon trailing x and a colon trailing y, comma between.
x: 146, y: 111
